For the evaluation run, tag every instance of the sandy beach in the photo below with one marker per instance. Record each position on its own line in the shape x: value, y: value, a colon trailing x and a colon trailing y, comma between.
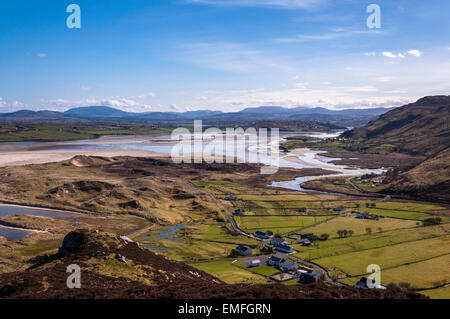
x: 40, y: 157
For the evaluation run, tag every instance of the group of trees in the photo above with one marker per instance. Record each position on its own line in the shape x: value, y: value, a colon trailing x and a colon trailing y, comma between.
x: 432, y: 221
x: 343, y: 233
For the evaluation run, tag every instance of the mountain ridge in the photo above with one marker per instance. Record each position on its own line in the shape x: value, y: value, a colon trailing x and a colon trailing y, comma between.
x: 420, y: 128
x: 348, y: 117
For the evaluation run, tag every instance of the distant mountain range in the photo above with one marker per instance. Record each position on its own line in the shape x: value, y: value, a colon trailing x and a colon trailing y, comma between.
x: 348, y: 117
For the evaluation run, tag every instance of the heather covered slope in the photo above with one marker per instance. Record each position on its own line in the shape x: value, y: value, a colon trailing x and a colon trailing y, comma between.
x: 113, y: 267
x: 430, y: 180
x: 421, y: 128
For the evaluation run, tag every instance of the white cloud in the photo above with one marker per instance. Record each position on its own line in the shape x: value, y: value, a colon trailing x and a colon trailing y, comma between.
x: 329, y: 97
x: 288, y: 4
x: 6, y: 107
x: 385, y: 79
x: 415, y: 53
x: 370, y: 54
x: 122, y: 103
x: 335, y: 33
x: 85, y: 88
x: 392, y: 55
x: 146, y: 95
x: 301, y: 85
x: 41, y: 55
x: 360, y: 89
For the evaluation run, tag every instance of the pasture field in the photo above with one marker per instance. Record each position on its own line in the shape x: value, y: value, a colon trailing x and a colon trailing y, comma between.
x: 227, y: 272
x: 402, y: 214
x: 355, y: 263
x: 439, y: 293
x: 264, y: 270
x: 220, y: 187
x: 218, y: 233
x: 277, y: 224
x: 201, y: 241
x: 189, y: 250
x: 359, y: 226
x: 334, y: 247
x: 285, y: 197
x: 409, y: 206
x: 425, y: 274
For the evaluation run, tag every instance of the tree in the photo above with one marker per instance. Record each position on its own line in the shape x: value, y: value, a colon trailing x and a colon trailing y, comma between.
x: 380, y: 229
x: 431, y: 221
x: 368, y: 230
x: 340, y: 233
x: 350, y: 233
x: 404, y: 285
x: 324, y: 236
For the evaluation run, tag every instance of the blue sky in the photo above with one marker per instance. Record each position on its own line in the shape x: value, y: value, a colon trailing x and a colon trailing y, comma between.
x: 177, y: 55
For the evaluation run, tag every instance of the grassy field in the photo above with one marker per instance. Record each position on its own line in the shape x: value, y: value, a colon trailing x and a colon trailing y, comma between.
x: 355, y: 263
x: 208, y: 239
x: 72, y: 131
x: 335, y: 247
x: 218, y: 233
x: 402, y: 214
x: 425, y: 274
x: 220, y: 188
x: 440, y: 293
x: 303, y: 143
x: 359, y: 226
x: 277, y: 224
x: 264, y: 270
x: 40, y: 247
x: 227, y: 272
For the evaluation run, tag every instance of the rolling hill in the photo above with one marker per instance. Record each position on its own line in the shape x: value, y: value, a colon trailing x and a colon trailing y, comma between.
x: 420, y: 128
x: 430, y: 180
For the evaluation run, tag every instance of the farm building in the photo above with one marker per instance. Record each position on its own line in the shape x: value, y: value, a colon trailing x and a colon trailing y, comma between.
x: 261, y: 235
x: 338, y: 209
x: 275, y: 261
x: 366, y: 283
x: 276, y: 241
x: 230, y: 197
x: 306, y: 278
x: 306, y: 275
x: 243, y: 251
x: 288, y: 266
x: 304, y: 242
x: 285, y: 249
x: 311, y: 237
x: 255, y: 263
x: 239, y: 212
